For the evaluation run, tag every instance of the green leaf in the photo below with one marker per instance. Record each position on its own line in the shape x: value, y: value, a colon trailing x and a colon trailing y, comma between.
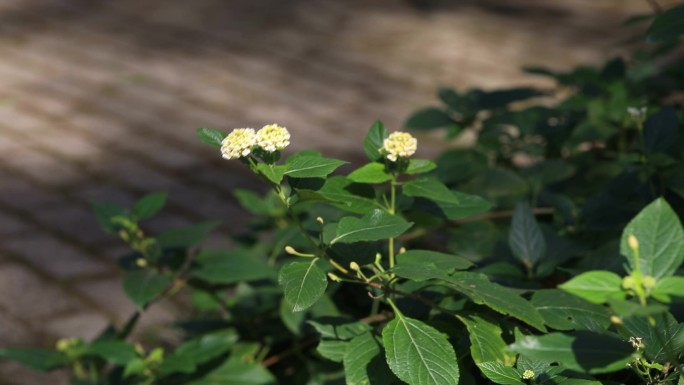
x: 526, y: 238
x: 582, y: 351
x: 486, y: 343
x: 333, y: 350
x: 374, y: 226
x: 668, y: 26
x: 303, y: 282
x: 142, y: 286
x: 468, y: 205
x: 230, y: 266
x: 104, y: 212
x: 254, y: 203
x: 113, y: 351
x: 339, y: 328
x: 563, y: 311
x: 661, y: 240
x: 666, y: 337
x: 149, y: 205
x: 198, y: 351
x: 418, y: 272
x: 631, y: 308
x: 311, y: 166
x: 356, y: 198
x: 661, y: 130
x: 499, y: 298
x: 418, y: 353
x: 364, y: 363
x: 293, y: 321
x: 428, y: 119
x: 595, y: 286
x: 668, y: 286
x: 272, y: 172
x: 374, y: 140
x: 235, y: 371
x: 442, y: 261
x: 186, y: 236
x: 420, y: 166
x: 211, y: 136
x: 431, y: 189
x: 501, y: 98
x: 370, y: 173
x: 41, y: 360
x: 500, y: 374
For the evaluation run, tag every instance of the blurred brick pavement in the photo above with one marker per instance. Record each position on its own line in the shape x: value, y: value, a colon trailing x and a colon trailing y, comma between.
x: 99, y: 101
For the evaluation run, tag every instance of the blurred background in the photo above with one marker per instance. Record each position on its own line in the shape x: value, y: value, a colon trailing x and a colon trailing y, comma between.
x: 100, y: 99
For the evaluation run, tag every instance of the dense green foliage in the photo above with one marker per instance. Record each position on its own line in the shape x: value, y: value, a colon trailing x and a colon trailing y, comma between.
x: 548, y: 252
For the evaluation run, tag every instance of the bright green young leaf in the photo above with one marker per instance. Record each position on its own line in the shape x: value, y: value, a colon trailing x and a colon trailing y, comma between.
x: 499, y: 298
x: 370, y: 173
x: 563, y: 311
x: 272, y: 172
x: 420, y: 166
x: 374, y: 226
x: 311, y: 166
x: 364, y: 363
x: 418, y: 353
x: 595, y: 286
x: 41, y: 360
x: 583, y: 351
x: 374, y: 140
x: 197, y: 351
x: 431, y: 189
x: 230, y: 266
x: 355, y: 197
x: 149, y: 205
x: 142, y: 286
x: 428, y: 119
x: 668, y: 287
x: 303, y: 282
x: 661, y: 240
x: 186, y: 236
x: 210, y: 136
x: 134, y: 367
x: 443, y: 261
x: 486, y: 343
x: 500, y: 374
x: 526, y: 238
x: 104, y: 212
x: 114, y: 351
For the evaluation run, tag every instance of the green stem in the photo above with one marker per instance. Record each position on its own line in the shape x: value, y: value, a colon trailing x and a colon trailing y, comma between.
x: 392, y: 210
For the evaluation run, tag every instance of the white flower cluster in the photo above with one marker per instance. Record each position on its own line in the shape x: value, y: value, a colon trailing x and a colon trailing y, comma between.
x: 272, y: 137
x: 399, y: 145
x: 242, y: 141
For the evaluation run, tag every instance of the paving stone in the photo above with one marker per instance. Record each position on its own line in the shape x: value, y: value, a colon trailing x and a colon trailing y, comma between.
x: 135, y: 173
x: 76, y: 221
x: 105, y: 193
x: 110, y: 294
x: 14, y: 334
x: 24, y: 294
x: 43, y: 167
x: 11, y: 225
x: 69, y: 144
x: 54, y: 256
x: 84, y: 324
x: 18, y: 193
x: 14, y: 374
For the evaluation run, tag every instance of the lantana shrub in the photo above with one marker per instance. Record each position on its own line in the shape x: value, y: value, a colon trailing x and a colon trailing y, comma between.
x: 564, y: 267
